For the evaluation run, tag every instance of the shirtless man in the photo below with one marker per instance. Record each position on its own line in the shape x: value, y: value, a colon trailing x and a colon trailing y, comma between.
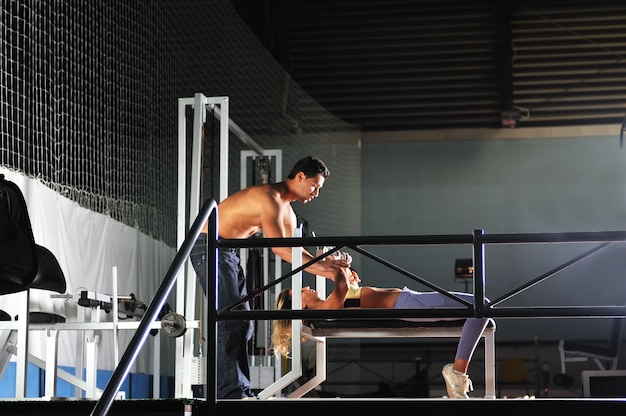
x: 266, y: 208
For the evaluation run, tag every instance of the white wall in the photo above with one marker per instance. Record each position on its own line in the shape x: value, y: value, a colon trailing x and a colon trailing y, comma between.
x: 88, y: 247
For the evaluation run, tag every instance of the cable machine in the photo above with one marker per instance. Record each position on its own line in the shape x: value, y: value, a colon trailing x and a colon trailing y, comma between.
x: 258, y: 169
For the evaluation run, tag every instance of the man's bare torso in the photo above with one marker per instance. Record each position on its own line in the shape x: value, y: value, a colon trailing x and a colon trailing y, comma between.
x: 242, y: 214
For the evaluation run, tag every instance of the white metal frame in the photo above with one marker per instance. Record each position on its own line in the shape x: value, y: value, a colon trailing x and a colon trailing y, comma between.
x: 186, y: 287
x: 243, y: 255
x: 87, y: 353
x: 292, y: 375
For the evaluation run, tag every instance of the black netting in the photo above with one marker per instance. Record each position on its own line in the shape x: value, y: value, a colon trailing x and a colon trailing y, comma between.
x: 89, y: 98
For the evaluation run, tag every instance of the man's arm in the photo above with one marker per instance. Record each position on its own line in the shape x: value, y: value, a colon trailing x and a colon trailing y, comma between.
x: 278, y: 222
x: 327, y: 267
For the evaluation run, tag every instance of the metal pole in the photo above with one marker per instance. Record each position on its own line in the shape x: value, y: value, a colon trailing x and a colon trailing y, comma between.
x: 134, y: 347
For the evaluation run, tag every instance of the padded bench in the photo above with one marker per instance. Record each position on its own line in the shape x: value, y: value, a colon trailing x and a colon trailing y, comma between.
x: 320, y: 330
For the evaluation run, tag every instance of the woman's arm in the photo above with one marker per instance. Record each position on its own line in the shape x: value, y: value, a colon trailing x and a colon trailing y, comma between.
x: 338, y: 296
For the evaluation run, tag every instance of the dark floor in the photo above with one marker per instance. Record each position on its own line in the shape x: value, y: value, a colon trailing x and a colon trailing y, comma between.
x: 329, y: 407
x: 378, y: 370
x: 69, y: 407
x: 342, y: 407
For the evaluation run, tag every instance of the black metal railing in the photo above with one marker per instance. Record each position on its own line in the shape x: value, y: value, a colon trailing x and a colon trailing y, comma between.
x: 480, y: 307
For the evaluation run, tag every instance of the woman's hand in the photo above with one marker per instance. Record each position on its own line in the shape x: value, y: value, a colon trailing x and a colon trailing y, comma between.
x: 354, y: 278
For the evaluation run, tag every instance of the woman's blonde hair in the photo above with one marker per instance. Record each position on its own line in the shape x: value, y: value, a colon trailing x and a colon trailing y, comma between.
x: 281, y: 330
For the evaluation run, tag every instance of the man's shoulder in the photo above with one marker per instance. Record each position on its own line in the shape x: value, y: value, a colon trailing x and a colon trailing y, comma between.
x: 251, y: 191
x: 267, y: 193
x: 264, y: 190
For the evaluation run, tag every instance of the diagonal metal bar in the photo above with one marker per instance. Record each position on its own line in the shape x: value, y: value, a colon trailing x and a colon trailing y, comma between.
x: 134, y: 347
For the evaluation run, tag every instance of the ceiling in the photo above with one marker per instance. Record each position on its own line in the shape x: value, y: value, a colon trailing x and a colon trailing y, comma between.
x: 410, y: 65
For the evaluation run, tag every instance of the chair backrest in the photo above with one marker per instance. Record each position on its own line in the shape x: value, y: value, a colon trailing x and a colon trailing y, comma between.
x: 49, y: 276
x: 18, y: 252
x: 23, y: 264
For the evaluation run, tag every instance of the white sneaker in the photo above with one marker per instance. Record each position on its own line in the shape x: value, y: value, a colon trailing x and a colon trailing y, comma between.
x: 457, y: 384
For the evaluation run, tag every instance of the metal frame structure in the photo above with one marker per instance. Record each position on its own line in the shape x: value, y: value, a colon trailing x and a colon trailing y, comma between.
x: 261, y: 372
x: 364, y: 329
x: 480, y: 308
x: 379, y: 330
x: 186, y: 287
x: 89, y: 325
x: 478, y: 240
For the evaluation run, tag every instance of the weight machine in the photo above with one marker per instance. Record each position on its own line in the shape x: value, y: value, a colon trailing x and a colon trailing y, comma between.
x: 191, y: 363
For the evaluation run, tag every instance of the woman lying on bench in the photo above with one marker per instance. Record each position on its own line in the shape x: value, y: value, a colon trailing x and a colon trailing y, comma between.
x: 348, y: 293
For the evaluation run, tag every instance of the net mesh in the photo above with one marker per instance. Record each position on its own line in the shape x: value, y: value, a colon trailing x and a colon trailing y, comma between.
x: 89, y: 98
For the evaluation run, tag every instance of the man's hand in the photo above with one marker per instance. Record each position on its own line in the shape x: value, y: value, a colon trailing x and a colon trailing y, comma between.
x: 329, y: 267
x: 337, y: 255
x: 342, y: 255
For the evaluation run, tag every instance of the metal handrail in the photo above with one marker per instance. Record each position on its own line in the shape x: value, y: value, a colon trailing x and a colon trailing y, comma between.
x: 207, y: 213
x: 478, y: 240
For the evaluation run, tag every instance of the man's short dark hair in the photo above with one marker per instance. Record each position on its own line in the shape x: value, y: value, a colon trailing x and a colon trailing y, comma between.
x: 311, y: 166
